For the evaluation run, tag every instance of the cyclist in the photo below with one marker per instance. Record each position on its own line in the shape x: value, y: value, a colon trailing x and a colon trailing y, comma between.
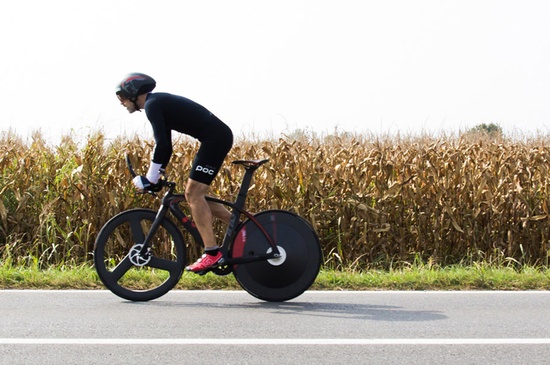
x: 167, y: 113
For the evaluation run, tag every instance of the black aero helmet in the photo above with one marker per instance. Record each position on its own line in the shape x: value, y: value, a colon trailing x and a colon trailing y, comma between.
x: 135, y: 84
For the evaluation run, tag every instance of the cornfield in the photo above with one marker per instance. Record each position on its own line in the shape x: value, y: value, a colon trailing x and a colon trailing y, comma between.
x: 375, y: 202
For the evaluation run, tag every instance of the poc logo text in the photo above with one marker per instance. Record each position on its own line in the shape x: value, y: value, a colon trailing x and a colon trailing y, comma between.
x: 204, y: 170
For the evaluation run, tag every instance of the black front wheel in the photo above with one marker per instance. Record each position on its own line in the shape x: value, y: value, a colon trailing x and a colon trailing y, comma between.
x: 133, y: 273
x: 288, y: 276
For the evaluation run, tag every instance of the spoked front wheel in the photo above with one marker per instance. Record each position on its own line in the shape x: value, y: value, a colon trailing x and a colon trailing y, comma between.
x: 282, y: 278
x: 133, y: 273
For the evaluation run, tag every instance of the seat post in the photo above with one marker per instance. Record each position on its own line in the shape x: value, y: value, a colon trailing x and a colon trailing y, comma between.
x: 245, y: 185
x: 250, y: 166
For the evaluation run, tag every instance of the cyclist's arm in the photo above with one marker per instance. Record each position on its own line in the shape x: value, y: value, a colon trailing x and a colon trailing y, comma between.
x: 163, y: 141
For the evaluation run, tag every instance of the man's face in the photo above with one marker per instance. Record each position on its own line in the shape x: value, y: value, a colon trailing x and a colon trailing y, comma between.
x: 129, y: 105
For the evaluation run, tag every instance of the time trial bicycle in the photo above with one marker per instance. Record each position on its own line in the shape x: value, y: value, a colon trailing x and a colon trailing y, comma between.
x: 274, y: 255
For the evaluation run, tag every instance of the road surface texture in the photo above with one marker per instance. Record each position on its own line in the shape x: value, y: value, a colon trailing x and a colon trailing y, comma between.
x: 319, y: 327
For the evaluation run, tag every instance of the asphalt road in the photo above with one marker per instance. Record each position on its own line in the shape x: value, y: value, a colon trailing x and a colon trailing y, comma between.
x: 231, y: 327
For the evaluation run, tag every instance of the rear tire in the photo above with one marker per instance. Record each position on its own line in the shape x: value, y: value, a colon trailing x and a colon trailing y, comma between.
x: 284, y: 278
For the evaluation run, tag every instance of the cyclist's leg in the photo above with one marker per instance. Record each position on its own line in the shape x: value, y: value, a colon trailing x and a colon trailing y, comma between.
x: 202, y: 216
x: 195, y: 193
x: 205, y: 167
x: 220, y: 211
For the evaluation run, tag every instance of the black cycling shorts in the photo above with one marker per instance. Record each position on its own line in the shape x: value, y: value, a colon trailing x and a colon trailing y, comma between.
x: 210, y: 158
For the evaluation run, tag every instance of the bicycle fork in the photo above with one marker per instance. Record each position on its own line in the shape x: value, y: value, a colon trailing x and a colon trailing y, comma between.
x: 140, y: 253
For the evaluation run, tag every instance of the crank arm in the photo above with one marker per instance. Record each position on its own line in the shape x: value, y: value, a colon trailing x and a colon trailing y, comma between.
x: 249, y: 259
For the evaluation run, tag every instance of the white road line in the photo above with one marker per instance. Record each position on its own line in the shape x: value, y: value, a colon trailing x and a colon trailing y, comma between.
x: 314, y: 292
x: 274, y: 341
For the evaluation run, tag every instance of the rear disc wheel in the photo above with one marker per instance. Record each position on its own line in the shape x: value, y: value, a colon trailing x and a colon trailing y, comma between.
x: 288, y: 276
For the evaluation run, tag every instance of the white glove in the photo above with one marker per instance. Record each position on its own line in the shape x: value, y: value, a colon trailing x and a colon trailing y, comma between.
x: 141, y: 182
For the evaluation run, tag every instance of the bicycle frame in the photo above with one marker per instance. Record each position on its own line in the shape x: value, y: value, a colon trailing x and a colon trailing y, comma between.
x: 170, y: 202
x: 282, y: 246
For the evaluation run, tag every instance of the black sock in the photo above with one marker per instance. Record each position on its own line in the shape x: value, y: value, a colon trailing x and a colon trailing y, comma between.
x: 212, y: 251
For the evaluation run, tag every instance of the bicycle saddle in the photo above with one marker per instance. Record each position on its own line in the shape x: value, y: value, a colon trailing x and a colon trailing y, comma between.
x: 250, y: 163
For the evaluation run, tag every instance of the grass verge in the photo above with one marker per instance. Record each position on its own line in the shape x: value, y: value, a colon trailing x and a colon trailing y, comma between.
x: 477, y: 277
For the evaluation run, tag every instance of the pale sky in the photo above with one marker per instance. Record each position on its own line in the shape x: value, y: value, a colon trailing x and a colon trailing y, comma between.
x: 264, y: 66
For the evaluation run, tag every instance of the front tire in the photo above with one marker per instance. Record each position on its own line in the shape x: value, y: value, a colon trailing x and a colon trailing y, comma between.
x: 127, y: 273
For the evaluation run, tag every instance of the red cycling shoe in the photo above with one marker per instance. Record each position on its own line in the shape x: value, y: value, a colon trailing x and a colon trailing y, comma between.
x: 204, y: 263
